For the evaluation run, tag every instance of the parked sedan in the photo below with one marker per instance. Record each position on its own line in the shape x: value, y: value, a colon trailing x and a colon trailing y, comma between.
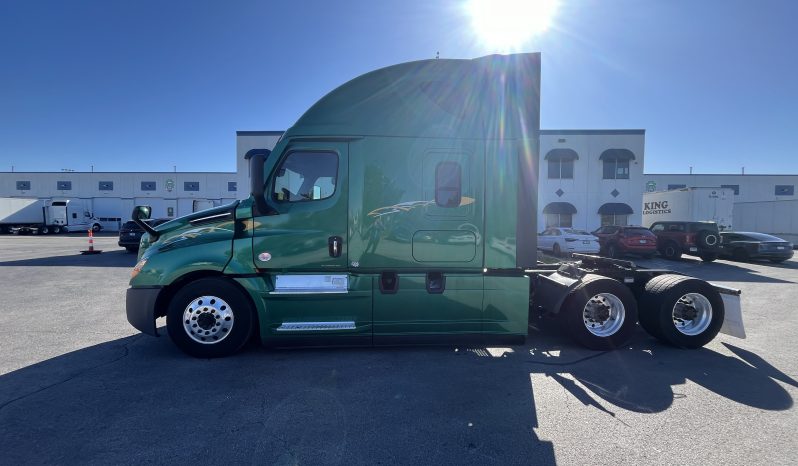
x: 567, y: 240
x: 620, y: 240
x: 746, y: 245
x: 130, y: 233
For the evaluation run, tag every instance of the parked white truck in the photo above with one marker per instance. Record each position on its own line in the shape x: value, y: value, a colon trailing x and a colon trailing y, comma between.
x: 689, y: 205
x: 43, y: 216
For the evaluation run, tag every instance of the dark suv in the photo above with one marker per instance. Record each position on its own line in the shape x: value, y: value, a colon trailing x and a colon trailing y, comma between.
x: 616, y: 241
x: 700, y: 239
x: 130, y: 233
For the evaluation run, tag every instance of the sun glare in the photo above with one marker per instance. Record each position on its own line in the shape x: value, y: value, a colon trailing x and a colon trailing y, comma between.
x: 508, y: 24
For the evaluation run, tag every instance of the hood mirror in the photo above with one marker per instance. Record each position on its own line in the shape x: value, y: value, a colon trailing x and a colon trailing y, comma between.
x: 141, y: 213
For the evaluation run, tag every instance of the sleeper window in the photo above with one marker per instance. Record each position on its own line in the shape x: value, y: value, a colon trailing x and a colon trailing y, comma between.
x: 306, y: 176
x: 448, y: 184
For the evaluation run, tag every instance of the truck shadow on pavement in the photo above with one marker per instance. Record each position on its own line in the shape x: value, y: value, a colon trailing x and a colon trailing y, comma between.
x: 138, y: 399
x: 111, y: 258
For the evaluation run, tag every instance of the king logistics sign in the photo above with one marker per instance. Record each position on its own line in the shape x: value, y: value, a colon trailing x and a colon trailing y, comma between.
x: 656, y: 207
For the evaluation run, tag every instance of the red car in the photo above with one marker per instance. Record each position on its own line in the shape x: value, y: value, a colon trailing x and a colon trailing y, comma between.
x: 617, y: 241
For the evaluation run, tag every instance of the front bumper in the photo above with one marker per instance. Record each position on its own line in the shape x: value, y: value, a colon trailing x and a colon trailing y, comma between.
x: 140, y: 308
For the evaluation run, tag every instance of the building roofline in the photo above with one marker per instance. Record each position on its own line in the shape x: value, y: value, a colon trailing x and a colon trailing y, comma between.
x: 259, y: 133
x: 117, y: 173
x: 592, y: 131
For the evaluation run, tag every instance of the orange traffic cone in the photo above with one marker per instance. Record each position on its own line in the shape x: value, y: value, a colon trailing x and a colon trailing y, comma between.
x: 91, y: 249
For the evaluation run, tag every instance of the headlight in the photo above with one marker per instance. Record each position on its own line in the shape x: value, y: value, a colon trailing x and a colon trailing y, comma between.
x: 137, y: 268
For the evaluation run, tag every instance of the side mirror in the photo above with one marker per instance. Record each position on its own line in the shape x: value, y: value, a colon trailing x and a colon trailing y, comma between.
x: 257, y: 162
x: 141, y: 212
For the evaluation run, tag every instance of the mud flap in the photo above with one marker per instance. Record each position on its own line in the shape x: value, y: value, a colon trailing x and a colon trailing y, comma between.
x: 733, y: 320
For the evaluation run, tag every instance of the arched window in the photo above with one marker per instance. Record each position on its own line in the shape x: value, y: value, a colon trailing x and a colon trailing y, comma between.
x: 561, y: 163
x: 616, y: 163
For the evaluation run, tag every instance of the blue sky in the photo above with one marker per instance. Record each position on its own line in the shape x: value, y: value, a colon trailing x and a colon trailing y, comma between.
x: 145, y: 85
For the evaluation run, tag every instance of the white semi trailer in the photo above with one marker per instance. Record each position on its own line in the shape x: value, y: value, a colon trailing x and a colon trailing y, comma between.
x: 777, y: 218
x: 43, y: 216
x: 690, y: 205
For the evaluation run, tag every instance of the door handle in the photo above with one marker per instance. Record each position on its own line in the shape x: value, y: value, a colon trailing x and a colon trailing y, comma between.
x: 334, y: 244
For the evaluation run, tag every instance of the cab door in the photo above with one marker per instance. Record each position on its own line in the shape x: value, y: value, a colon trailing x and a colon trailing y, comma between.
x: 300, y: 246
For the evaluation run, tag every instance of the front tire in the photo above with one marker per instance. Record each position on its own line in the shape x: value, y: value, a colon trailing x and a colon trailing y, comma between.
x: 96, y: 227
x: 681, y: 311
x: 210, y: 318
x: 671, y: 251
x: 600, y: 313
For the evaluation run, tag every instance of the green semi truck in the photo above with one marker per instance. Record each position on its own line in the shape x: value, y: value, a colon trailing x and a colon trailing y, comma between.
x: 401, y: 208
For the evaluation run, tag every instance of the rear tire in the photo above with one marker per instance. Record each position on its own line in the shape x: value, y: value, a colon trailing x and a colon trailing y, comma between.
x: 671, y: 251
x: 44, y: 230
x: 612, y: 251
x: 555, y: 250
x: 681, y: 311
x: 600, y: 313
x: 708, y: 257
x: 56, y: 230
x: 131, y: 249
x: 210, y: 318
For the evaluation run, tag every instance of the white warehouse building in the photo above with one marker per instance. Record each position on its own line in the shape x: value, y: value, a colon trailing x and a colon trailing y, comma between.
x: 762, y: 203
x: 586, y: 178
x: 112, y: 195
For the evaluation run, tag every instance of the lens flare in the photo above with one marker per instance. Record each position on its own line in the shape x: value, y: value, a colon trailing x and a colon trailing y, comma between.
x: 507, y: 25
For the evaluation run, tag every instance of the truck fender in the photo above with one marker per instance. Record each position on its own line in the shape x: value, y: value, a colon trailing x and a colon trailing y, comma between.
x: 550, y: 291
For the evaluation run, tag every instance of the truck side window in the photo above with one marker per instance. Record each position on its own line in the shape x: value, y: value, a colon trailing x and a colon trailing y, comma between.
x: 658, y: 227
x: 448, y: 184
x: 306, y: 176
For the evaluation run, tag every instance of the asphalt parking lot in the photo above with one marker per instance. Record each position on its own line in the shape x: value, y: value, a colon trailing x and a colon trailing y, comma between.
x: 79, y: 385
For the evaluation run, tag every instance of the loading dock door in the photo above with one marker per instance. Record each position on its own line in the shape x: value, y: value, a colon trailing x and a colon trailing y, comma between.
x: 110, y: 212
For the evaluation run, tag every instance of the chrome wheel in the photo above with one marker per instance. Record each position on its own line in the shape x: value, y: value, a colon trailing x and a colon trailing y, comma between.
x: 208, y: 320
x: 692, y: 314
x: 603, y: 314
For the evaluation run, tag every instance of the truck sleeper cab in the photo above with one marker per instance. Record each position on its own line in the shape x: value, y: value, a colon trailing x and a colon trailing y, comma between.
x: 397, y: 209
